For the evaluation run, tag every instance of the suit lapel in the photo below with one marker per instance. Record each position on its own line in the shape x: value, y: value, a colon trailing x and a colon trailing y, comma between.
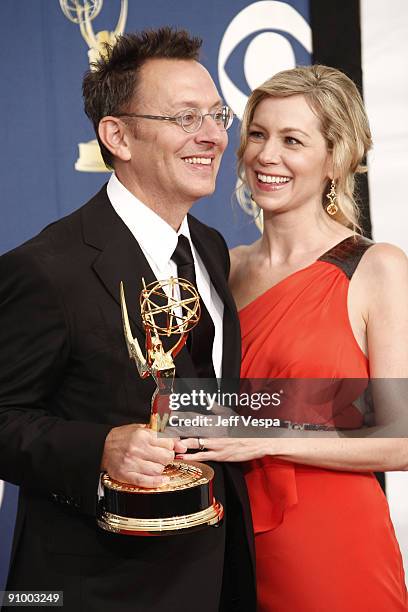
x: 120, y: 258
x: 211, y: 262
x: 231, y: 355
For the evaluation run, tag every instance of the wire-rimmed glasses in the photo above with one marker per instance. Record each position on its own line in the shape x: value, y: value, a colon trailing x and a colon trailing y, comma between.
x: 191, y: 119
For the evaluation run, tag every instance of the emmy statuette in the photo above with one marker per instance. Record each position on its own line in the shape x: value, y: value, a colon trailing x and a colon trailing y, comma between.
x: 186, y: 502
x: 82, y: 12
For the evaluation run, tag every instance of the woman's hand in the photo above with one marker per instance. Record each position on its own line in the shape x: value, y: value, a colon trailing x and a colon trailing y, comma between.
x: 355, y: 455
x: 225, y: 449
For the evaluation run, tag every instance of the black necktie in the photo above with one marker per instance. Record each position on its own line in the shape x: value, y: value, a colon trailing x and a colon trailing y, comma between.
x: 201, y: 338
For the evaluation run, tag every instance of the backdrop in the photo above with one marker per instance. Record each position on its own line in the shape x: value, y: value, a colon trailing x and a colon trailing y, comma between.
x: 44, y: 56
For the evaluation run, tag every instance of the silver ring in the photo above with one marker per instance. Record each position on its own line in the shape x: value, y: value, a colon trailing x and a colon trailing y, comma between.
x: 201, y: 446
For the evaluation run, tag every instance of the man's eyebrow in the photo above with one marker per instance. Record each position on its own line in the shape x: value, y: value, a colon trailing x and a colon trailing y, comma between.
x: 184, y: 104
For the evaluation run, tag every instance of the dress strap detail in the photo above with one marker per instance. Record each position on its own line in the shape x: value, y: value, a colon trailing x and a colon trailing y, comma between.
x: 347, y: 254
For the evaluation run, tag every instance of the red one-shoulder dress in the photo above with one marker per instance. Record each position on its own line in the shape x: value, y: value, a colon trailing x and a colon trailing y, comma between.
x: 324, y: 538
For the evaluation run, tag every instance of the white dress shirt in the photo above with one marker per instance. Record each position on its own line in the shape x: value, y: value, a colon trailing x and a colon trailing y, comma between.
x: 158, y: 240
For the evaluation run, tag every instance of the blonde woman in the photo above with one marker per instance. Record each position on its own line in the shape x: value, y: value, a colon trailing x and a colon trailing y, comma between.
x: 317, y: 300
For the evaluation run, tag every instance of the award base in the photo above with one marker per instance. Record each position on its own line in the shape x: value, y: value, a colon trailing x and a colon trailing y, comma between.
x: 90, y: 158
x: 185, y: 504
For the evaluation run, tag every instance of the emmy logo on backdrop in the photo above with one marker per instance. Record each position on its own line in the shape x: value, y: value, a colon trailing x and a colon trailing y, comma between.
x: 169, y: 311
x: 82, y: 12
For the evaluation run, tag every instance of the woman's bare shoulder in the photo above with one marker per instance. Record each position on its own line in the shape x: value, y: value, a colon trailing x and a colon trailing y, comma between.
x: 381, y: 277
x: 239, y: 258
x: 383, y: 261
x: 239, y: 252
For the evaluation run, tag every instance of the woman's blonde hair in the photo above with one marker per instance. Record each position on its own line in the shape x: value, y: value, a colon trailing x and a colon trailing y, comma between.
x: 337, y: 103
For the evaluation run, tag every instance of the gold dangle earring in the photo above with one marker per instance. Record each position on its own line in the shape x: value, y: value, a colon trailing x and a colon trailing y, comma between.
x: 332, y: 208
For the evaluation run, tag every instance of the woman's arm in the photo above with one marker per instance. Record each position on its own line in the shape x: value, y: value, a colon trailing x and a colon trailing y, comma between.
x: 358, y: 455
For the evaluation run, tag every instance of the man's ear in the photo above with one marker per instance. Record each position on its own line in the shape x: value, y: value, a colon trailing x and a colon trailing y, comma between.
x: 113, y: 134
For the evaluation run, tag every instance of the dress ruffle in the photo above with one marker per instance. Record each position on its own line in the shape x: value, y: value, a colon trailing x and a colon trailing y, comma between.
x: 275, y: 485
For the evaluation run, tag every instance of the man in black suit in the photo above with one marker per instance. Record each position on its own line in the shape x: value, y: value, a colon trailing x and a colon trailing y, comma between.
x: 70, y: 399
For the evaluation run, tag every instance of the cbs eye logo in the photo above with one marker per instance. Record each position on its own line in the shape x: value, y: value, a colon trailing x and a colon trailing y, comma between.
x: 262, y: 39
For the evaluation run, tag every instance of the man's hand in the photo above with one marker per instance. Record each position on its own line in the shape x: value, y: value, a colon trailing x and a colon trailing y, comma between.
x: 136, y: 455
